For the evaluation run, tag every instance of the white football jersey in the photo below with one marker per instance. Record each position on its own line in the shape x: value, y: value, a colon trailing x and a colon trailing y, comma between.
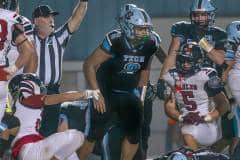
x: 189, y: 91
x: 30, y: 118
x: 7, y: 21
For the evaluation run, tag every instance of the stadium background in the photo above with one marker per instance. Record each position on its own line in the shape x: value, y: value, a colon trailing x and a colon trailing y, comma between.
x: 100, y: 19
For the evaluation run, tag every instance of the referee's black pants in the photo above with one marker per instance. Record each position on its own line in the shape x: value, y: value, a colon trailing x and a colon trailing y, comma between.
x: 50, y: 114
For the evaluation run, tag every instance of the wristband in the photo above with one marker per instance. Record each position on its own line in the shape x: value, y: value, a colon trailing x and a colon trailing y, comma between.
x: 180, y: 118
x: 203, y: 43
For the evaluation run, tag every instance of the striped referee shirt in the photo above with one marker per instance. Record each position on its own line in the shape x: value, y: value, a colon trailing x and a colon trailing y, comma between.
x: 50, y: 54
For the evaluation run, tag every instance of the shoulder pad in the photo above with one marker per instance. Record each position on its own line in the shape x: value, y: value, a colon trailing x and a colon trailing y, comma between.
x: 218, y: 29
x: 219, y: 32
x: 210, y: 72
x: 179, y: 28
x: 215, y: 82
x: 113, y: 34
x: 156, y: 38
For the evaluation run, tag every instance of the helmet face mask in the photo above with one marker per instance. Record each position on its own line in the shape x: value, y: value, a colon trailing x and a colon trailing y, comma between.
x: 188, y: 59
x: 202, y: 13
x: 141, y: 33
x: 134, y: 22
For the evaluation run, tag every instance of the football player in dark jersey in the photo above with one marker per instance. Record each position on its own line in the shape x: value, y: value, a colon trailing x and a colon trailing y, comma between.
x: 200, y: 30
x: 119, y: 66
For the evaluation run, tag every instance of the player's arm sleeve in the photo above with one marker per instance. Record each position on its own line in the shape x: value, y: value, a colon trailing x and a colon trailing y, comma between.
x: 221, y: 41
x: 177, y: 29
x: 28, y: 97
x: 34, y: 101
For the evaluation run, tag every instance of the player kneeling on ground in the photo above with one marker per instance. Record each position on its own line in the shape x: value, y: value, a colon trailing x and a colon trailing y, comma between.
x: 29, y: 97
x: 192, y: 87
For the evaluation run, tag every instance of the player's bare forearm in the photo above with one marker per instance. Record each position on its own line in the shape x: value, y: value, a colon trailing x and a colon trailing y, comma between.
x: 90, y: 75
x: 227, y: 70
x: 63, y: 97
x: 161, y: 55
x: 168, y: 64
x: 77, y: 15
x: 170, y: 60
x: 222, y: 104
x: 216, y: 56
x: 26, y: 51
x: 171, y: 109
x: 31, y: 66
x: 91, y: 64
x: 145, y: 74
x: 144, y: 77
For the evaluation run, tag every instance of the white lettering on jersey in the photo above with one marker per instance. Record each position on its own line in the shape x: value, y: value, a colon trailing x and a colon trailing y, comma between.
x: 129, y: 58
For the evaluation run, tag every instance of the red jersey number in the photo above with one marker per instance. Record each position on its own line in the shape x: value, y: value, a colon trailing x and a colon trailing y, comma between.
x: 190, y: 105
x: 3, y: 33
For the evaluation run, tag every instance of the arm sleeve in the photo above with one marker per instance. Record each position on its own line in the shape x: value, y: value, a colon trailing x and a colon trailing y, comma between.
x: 30, y: 95
x: 221, y: 40
x: 34, y: 101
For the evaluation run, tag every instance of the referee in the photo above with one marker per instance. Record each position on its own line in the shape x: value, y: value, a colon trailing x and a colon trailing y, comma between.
x: 50, y: 46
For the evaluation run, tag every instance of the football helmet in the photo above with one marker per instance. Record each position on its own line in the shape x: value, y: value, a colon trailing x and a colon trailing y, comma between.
x: 202, y: 8
x: 15, y: 82
x: 131, y: 17
x: 189, y: 58
x: 233, y: 31
x: 9, y: 4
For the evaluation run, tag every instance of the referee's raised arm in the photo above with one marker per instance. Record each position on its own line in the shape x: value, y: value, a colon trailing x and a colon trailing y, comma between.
x: 77, y: 16
x: 50, y: 46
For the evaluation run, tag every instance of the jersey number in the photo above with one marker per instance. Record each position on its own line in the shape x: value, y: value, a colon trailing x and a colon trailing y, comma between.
x: 3, y: 33
x: 190, y: 105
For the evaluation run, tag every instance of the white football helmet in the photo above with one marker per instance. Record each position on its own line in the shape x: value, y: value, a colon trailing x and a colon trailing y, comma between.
x: 204, y: 6
x: 131, y: 16
x: 233, y: 31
